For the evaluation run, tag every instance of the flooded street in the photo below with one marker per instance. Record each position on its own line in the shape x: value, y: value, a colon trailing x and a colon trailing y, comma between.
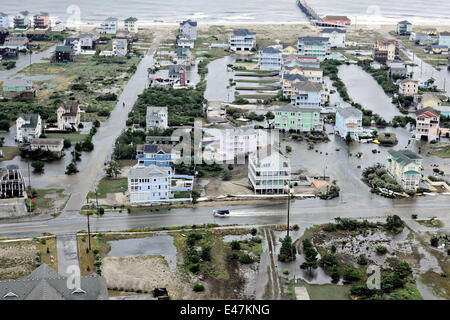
x: 363, y: 89
x: 217, y: 80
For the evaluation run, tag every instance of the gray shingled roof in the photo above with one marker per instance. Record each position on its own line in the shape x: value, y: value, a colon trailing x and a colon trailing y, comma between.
x: 156, y: 109
x: 243, y: 32
x: 44, y: 283
x: 192, y: 23
x: 308, y: 86
x: 270, y: 50
x: 150, y: 171
x: 291, y: 108
x: 330, y: 30
x: 174, y: 69
x: 349, y: 112
x: 313, y: 39
x: 294, y: 76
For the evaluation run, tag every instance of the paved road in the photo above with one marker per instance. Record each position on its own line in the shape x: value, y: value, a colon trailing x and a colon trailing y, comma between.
x: 67, y: 252
x: 24, y: 61
x: 303, y: 212
x: 107, y: 134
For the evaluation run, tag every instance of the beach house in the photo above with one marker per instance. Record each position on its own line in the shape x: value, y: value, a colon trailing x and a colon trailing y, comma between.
x: 63, y: 54
x: 348, y: 122
x: 307, y: 94
x: 242, y: 40
x: 41, y: 21
x: 188, y: 28
x: 269, y: 172
x: 28, y: 127
x: 16, y: 43
x: 405, y: 166
x: 318, y: 47
x: 18, y: 89
x: 120, y: 47
x: 444, y: 38
x: 404, y: 28
x: 55, y: 146
x: 337, y: 20
x: 177, y: 75
x: 68, y: 116
x: 310, y: 73
x: 22, y: 20
x: 288, y: 80
x: 408, y: 87
x: 4, y: 20
x: 157, y: 117
x: 427, y: 124
x: 158, y: 155
x: 299, y: 119
x: 131, y: 25
x: 269, y: 59
x: 397, y: 68
x: 385, y: 49
x: 109, y: 26
x: 185, y: 57
x: 336, y: 37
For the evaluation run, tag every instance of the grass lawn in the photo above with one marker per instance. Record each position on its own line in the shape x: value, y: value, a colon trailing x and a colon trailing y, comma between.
x: 442, y: 153
x: 326, y: 291
x: 47, y: 248
x: 87, y: 258
x: 50, y: 201
x: 73, y: 137
x: 9, y: 152
x: 108, y: 185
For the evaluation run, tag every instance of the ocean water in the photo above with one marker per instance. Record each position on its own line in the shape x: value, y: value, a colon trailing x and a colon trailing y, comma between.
x: 234, y: 11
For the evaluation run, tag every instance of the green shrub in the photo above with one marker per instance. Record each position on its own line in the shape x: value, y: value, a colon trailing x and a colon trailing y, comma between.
x: 198, y: 288
x: 245, y: 258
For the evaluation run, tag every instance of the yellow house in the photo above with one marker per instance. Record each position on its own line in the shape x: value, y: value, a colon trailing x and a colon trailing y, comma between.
x: 430, y: 100
x: 312, y: 74
x: 290, y: 50
x: 131, y: 25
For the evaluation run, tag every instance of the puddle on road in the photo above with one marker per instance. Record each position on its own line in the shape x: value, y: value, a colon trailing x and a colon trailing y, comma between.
x: 157, y: 245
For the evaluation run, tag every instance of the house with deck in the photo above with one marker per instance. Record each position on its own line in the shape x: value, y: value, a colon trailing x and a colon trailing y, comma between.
x: 385, y: 50
x: 185, y: 57
x: 242, y: 40
x: 68, y: 116
x: 22, y: 20
x: 28, y: 127
x: 337, y: 20
x: 348, y: 122
x: 318, y: 47
x: 288, y: 80
x: 18, y: 89
x: 408, y: 87
x: 120, y: 47
x: 269, y: 172
x: 270, y: 59
x: 17, y: 43
x: 427, y: 124
x: 158, y: 155
x: 4, y: 20
x: 55, y: 146
x: 41, y: 21
x: 405, y: 167
x: 444, y: 39
x: 307, y: 94
x: 131, y: 25
x: 109, y: 26
x: 157, y: 117
x: 404, y: 28
x: 310, y: 73
x: 177, y: 75
x: 63, y: 54
x: 188, y: 28
x: 298, y: 119
x: 397, y: 68
x: 336, y: 36
x: 185, y: 41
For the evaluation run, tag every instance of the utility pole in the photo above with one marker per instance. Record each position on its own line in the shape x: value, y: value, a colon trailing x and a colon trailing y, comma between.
x: 288, y: 206
x: 89, y: 227
x: 96, y: 197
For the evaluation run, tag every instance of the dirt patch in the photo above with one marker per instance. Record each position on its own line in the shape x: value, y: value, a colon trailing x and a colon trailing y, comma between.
x: 17, y: 259
x: 144, y: 273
